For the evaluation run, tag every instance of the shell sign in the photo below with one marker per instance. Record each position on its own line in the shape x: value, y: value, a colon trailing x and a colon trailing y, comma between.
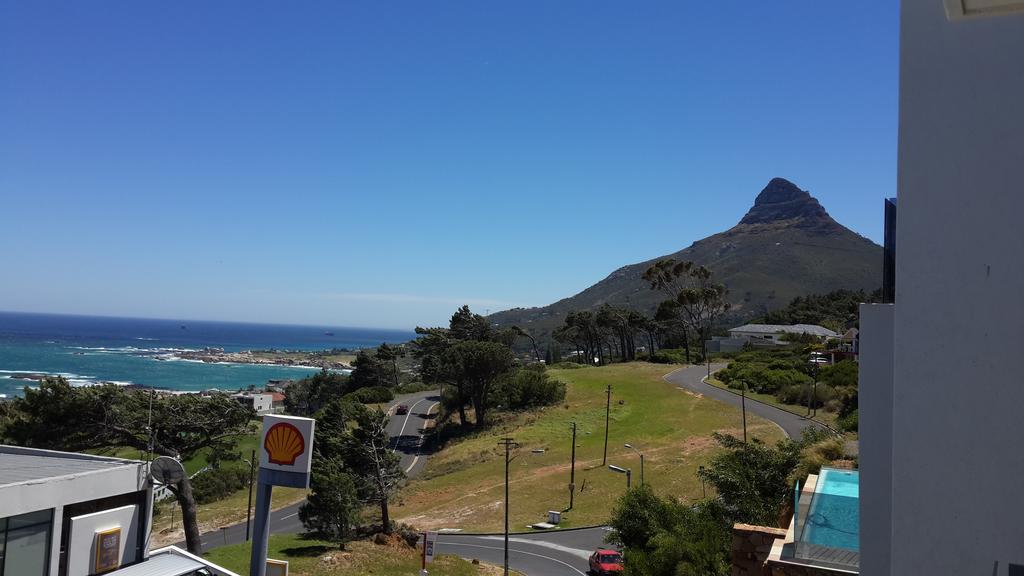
x: 287, y: 443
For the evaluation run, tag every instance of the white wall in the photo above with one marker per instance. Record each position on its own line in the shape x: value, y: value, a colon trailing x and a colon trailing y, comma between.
x: 958, y: 431
x: 82, y: 545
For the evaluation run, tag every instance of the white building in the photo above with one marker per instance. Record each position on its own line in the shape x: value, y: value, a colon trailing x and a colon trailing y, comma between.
x: 261, y: 403
x: 942, y: 442
x: 66, y: 514
x: 766, y: 335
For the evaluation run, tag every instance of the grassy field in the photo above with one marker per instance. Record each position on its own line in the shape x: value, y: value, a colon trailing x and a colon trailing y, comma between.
x: 463, y: 486
x: 828, y: 418
x: 308, y: 557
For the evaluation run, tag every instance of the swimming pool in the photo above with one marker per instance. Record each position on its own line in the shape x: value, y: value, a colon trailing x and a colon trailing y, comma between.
x: 833, y: 519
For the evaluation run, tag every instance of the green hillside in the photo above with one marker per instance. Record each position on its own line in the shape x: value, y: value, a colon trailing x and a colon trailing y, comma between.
x: 786, y: 245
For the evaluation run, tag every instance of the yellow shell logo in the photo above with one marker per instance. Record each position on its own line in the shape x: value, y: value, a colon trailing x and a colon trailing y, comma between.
x: 283, y: 444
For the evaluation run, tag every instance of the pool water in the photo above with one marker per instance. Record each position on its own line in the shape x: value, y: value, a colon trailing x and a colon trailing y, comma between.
x: 834, y: 516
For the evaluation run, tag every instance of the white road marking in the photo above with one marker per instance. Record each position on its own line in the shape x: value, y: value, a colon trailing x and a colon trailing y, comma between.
x: 416, y: 459
x: 407, y: 415
x: 569, y: 566
x: 584, y: 554
x: 290, y: 516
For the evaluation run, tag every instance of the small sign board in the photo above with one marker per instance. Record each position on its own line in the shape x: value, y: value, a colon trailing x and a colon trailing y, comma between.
x: 428, y: 546
x: 287, y: 443
x: 277, y: 567
x: 108, y: 550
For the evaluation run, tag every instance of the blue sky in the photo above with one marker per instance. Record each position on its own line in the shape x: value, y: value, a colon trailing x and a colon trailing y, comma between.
x: 379, y: 163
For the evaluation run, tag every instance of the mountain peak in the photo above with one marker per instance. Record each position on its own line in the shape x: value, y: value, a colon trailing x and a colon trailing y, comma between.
x: 781, y: 200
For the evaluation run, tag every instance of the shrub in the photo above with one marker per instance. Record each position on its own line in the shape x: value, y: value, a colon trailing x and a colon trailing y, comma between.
x: 850, y: 422
x: 219, y: 483
x: 528, y: 387
x: 371, y: 395
x: 416, y: 387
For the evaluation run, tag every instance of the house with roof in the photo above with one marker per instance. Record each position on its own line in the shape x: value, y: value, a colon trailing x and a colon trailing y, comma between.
x: 767, y: 335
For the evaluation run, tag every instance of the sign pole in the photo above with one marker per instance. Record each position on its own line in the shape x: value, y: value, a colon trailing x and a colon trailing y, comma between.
x: 260, y: 530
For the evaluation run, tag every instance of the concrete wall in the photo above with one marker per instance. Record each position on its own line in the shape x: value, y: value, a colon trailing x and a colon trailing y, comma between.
x: 875, y: 400
x: 82, y: 545
x: 958, y: 461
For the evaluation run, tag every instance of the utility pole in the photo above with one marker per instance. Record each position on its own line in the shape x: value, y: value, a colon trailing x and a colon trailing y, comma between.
x: 607, y: 415
x: 814, y: 393
x: 572, y: 468
x: 509, y: 445
x: 248, y: 510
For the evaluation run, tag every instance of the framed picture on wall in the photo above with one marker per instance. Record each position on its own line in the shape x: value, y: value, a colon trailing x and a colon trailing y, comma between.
x: 108, y: 550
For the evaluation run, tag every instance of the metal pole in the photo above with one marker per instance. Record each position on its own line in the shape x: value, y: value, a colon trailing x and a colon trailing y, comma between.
x: 743, y: 400
x: 702, y: 488
x: 248, y: 510
x: 641, y: 468
x: 814, y: 394
x: 509, y: 444
x: 629, y: 478
x: 572, y: 468
x: 607, y: 414
x: 261, y: 531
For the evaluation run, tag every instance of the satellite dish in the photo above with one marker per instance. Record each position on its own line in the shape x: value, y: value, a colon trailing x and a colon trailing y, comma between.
x: 166, y: 470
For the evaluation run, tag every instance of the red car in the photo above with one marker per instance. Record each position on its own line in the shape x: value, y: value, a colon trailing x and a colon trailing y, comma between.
x: 402, y: 409
x: 604, y: 562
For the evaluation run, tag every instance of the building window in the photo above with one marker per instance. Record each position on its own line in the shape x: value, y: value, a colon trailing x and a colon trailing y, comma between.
x: 25, y: 544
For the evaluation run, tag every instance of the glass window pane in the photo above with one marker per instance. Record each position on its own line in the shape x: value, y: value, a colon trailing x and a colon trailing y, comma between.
x: 27, y: 550
x: 41, y: 517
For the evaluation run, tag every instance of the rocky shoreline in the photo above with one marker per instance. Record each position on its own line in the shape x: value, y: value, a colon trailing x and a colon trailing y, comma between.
x: 219, y: 356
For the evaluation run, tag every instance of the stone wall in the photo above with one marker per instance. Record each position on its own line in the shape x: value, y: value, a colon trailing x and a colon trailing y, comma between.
x: 750, y: 548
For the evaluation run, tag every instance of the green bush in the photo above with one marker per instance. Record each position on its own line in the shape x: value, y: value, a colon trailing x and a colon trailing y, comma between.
x: 850, y: 422
x: 371, y: 395
x: 414, y: 387
x: 526, y: 388
x: 568, y: 365
x: 219, y: 483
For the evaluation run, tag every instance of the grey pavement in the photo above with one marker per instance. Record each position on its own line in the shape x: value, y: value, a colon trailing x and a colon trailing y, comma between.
x: 691, y: 378
x: 554, y: 553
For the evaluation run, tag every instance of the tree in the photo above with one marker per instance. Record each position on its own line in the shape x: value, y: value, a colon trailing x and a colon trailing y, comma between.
x: 63, y: 417
x: 699, y: 301
x: 388, y: 356
x: 664, y: 537
x: 474, y: 366
x: 332, y: 508
x: 308, y: 395
x: 368, y: 370
x: 752, y: 479
x: 432, y: 350
x: 372, y: 461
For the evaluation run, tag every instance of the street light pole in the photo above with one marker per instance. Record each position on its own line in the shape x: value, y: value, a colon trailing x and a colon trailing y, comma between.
x: 572, y: 468
x: 607, y: 415
x: 703, y: 490
x: 630, y: 446
x: 509, y: 444
x: 627, y: 471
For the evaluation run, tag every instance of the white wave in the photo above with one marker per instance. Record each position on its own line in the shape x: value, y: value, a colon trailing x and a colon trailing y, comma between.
x: 144, y: 338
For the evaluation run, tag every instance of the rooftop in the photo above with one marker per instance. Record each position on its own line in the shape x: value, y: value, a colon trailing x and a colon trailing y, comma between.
x: 19, y: 465
x: 812, y: 329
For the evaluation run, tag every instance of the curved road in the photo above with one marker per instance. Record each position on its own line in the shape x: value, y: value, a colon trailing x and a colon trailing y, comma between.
x: 406, y: 433
x: 558, y: 553
x: 691, y: 378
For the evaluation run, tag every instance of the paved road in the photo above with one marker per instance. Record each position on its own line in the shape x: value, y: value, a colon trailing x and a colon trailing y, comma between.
x: 406, y: 435
x: 691, y: 377
x: 554, y: 553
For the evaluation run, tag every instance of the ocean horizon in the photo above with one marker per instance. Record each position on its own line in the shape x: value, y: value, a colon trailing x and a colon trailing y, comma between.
x: 91, y: 349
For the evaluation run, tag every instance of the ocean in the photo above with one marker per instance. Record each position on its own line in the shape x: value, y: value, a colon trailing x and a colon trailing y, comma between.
x: 88, y: 349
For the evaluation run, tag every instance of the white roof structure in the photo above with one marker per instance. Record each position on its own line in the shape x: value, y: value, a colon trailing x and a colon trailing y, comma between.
x: 812, y: 329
